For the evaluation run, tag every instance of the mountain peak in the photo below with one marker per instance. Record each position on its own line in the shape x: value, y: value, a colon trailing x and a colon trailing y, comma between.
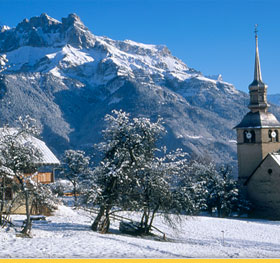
x: 73, y: 20
x: 45, y: 31
x: 74, y: 17
x: 43, y: 21
x: 45, y: 17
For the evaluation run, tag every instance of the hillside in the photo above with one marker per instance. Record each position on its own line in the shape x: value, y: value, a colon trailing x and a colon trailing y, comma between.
x: 274, y: 98
x: 68, y: 79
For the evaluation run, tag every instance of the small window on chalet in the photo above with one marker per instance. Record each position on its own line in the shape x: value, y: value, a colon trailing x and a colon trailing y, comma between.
x: 269, y: 171
x: 249, y: 136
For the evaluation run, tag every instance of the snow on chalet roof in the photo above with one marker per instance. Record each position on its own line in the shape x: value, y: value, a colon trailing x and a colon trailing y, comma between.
x: 48, y: 158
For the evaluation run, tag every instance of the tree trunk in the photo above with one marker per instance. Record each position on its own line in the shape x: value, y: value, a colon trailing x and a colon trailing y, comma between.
x: 146, y: 220
x: 105, y: 209
x: 143, y: 217
x: 106, y: 223
x: 152, y: 219
x: 27, y: 228
x: 2, y: 200
x: 98, y: 218
x: 75, y: 194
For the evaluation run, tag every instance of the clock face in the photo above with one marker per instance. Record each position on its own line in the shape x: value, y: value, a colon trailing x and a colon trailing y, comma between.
x: 273, y: 134
x: 248, y: 135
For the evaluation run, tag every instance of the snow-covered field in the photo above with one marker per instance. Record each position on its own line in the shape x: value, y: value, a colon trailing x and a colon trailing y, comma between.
x: 67, y: 234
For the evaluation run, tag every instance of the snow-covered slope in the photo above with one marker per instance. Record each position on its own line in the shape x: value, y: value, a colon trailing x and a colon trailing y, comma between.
x: 68, y: 79
x: 67, y: 234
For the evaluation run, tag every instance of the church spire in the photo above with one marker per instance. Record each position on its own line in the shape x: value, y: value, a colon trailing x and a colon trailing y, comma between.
x: 257, y: 89
x: 257, y: 73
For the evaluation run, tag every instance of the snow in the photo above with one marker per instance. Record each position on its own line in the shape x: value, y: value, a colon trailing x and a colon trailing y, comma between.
x: 27, y: 56
x: 67, y: 234
x: 48, y: 158
x: 4, y: 28
x: 145, y: 46
x: 103, y: 61
x: 75, y: 56
x: 194, y: 137
x: 51, y: 19
x: 115, y: 101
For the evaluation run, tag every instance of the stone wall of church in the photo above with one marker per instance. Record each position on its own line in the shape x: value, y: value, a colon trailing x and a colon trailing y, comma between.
x: 263, y: 190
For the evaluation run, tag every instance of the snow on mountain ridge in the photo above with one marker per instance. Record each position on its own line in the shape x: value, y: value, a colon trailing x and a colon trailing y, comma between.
x: 128, y: 57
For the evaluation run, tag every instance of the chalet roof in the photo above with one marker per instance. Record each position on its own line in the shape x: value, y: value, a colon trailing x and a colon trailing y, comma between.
x: 259, y: 119
x: 275, y: 156
x: 48, y: 158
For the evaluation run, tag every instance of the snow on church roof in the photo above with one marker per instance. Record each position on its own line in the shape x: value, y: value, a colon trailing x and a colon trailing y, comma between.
x: 276, y: 157
x: 48, y: 158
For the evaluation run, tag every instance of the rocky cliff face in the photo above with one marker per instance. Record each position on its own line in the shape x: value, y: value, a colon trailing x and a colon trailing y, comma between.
x: 68, y: 79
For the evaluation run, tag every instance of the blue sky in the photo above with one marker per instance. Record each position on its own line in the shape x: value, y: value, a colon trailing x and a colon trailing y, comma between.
x: 215, y: 37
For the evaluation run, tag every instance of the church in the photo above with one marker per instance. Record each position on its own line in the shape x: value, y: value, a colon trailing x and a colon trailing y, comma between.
x: 258, y: 148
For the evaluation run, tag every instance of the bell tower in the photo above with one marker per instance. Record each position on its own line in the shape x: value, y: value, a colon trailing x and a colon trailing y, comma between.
x: 258, y: 132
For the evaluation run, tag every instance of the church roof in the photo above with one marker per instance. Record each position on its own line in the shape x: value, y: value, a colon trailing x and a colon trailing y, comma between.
x: 257, y: 71
x: 275, y: 156
x: 259, y: 119
x: 258, y: 89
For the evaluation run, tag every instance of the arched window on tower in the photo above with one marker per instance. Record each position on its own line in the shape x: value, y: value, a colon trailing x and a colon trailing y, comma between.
x: 249, y: 136
x: 273, y: 136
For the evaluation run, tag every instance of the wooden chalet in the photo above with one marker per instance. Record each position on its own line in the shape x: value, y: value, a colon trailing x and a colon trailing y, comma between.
x: 45, y: 173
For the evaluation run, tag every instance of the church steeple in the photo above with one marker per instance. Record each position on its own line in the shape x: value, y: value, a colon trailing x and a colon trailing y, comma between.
x: 257, y: 72
x: 257, y: 89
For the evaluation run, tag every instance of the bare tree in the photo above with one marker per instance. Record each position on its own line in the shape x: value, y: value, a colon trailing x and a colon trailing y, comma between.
x: 75, y: 168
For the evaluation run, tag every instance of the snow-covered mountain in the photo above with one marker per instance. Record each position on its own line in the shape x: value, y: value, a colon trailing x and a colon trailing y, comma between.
x: 68, y: 79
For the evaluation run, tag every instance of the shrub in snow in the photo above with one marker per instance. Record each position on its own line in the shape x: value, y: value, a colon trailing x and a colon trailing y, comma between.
x: 218, y: 190
x: 42, y: 197
x: 60, y: 186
